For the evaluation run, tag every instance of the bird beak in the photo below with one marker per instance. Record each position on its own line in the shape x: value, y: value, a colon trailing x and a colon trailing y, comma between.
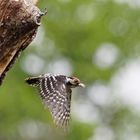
x: 81, y: 85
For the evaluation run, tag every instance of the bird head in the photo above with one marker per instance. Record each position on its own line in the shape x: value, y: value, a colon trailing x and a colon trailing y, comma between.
x: 74, y: 82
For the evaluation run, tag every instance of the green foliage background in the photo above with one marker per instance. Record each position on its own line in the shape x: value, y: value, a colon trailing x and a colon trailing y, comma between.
x: 73, y: 30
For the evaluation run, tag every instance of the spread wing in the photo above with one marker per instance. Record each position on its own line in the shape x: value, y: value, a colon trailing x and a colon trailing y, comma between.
x: 57, y: 97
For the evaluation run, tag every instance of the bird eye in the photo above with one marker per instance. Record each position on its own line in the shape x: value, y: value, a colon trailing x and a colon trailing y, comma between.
x: 76, y: 80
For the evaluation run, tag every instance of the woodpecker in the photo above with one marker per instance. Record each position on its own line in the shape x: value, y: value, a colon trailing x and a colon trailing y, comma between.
x: 55, y: 91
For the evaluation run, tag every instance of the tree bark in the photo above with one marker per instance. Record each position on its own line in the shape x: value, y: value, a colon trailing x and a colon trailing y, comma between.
x: 19, y: 20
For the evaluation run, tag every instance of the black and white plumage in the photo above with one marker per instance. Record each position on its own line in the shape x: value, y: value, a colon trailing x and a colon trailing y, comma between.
x: 55, y: 90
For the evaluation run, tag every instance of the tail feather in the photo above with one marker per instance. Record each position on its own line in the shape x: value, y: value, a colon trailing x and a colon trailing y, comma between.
x: 33, y: 81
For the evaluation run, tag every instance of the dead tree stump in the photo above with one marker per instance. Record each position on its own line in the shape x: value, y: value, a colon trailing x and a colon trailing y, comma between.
x: 19, y: 20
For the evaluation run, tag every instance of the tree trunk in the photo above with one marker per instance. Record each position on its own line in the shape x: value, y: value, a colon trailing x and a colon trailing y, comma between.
x: 19, y: 21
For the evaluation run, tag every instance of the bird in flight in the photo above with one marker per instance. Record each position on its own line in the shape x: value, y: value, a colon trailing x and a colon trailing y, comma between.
x: 55, y: 91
